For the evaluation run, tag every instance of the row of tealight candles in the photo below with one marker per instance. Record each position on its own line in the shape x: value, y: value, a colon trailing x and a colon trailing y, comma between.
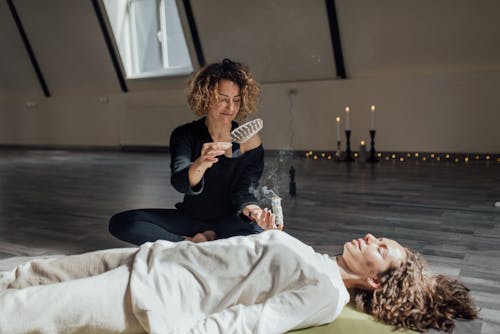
x: 348, y: 121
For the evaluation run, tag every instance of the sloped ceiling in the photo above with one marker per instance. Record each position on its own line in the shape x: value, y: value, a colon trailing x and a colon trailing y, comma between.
x: 401, y: 37
x: 16, y: 72
x: 69, y: 46
x: 281, y: 41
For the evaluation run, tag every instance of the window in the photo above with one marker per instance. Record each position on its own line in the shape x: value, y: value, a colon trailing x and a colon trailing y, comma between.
x: 149, y: 37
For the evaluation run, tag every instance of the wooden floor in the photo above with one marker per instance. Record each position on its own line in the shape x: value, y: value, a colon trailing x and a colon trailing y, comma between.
x: 58, y: 202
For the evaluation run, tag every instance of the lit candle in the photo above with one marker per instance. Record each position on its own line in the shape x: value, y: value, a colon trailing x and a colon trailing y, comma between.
x: 372, y: 117
x: 347, y: 120
x: 338, y: 128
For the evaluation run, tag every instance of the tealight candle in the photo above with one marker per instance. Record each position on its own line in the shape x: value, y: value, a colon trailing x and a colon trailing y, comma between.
x: 362, y: 151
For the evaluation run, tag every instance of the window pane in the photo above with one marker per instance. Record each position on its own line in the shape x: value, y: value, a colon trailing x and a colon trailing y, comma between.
x: 149, y: 36
x: 174, y: 43
x: 145, y: 43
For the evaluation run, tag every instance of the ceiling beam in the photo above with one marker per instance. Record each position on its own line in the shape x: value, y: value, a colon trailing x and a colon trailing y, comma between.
x: 29, y: 49
x: 109, y: 44
x: 335, y: 35
x: 194, y: 33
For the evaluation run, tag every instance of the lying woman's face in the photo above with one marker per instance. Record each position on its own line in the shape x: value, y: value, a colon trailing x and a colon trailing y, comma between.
x: 370, y: 256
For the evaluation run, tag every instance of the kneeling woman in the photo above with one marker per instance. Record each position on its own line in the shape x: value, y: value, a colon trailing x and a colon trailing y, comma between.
x: 265, y: 283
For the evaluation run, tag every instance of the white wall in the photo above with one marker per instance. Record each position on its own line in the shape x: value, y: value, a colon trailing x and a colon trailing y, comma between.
x: 144, y: 118
x: 454, y: 112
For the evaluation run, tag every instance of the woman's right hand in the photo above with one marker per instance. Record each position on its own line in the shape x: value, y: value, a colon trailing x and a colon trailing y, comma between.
x: 208, y: 157
x: 210, y: 152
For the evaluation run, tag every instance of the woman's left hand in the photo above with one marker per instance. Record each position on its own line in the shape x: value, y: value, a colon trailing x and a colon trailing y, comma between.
x: 264, y: 218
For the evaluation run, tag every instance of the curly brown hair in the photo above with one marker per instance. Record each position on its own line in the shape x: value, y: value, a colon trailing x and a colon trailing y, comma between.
x: 411, y: 298
x: 202, y: 89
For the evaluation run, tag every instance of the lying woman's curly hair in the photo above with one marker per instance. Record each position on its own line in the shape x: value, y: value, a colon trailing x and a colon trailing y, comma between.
x: 202, y: 88
x: 410, y: 298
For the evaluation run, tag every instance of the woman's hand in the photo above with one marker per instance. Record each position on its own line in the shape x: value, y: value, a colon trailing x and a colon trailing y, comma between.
x: 264, y: 218
x: 210, y: 152
x: 208, y: 157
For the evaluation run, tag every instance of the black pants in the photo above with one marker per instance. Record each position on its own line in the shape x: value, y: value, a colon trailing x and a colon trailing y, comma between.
x: 142, y: 225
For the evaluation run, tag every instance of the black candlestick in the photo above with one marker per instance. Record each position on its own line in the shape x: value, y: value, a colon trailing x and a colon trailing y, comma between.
x: 292, y: 181
x: 348, y: 154
x: 373, y: 153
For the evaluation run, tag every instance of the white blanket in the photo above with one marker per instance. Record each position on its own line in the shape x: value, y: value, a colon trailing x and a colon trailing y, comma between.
x: 266, y: 283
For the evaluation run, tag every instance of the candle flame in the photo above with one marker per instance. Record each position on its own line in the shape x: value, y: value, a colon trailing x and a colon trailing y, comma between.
x: 338, y: 119
x: 372, y: 107
x: 362, y: 142
x: 347, y: 109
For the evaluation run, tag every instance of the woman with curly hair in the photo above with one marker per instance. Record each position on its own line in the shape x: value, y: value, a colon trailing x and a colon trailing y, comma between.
x: 265, y: 283
x: 214, y: 174
x: 401, y: 292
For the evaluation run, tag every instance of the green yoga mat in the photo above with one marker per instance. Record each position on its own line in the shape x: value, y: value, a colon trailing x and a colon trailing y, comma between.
x: 352, y: 321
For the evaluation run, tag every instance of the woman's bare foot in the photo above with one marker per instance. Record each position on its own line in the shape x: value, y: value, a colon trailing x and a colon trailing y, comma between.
x: 208, y: 235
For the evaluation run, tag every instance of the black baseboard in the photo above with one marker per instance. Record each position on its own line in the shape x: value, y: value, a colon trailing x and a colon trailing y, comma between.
x: 144, y: 148
x: 31, y: 147
x: 317, y: 154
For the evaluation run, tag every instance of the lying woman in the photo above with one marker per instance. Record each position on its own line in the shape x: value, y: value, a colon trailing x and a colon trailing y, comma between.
x: 264, y: 283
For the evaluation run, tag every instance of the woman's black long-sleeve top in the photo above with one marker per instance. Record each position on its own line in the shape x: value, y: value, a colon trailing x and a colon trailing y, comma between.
x: 225, y: 187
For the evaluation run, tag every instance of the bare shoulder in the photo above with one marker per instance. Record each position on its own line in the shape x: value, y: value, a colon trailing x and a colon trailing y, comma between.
x: 251, y: 143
